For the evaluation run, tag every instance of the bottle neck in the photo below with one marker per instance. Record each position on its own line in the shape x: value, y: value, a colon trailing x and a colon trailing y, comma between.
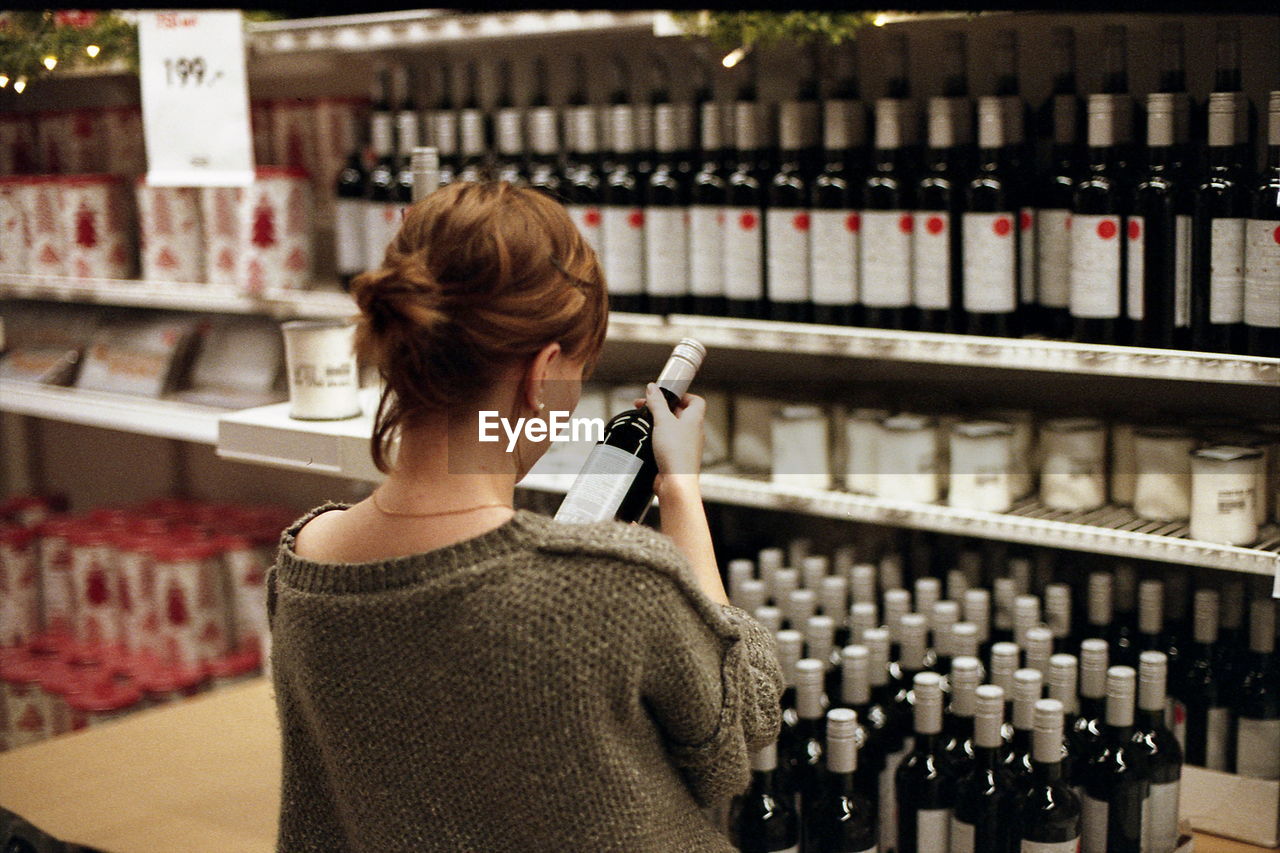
x: 986, y: 757
x: 1046, y: 772
x: 1273, y: 157
x: 1150, y: 719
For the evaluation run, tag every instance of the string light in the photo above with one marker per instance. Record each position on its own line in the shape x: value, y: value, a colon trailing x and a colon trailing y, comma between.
x: 93, y: 50
x: 50, y: 62
x: 880, y: 20
x: 19, y: 85
x: 734, y: 57
x: 4, y: 80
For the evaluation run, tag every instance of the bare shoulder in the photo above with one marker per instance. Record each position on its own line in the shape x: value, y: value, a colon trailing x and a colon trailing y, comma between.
x: 315, y: 540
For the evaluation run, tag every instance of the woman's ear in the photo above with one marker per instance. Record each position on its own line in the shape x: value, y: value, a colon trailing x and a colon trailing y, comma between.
x: 532, y: 390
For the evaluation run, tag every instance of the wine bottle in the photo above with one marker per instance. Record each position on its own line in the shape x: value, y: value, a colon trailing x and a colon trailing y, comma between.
x: 833, y: 599
x: 897, y: 734
x: 819, y: 639
x: 621, y: 192
x: 442, y: 124
x: 805, y: 744
x: 1262, y: 250
x: 1115, y: 81
x: 1098, y: 207
x: 1217, y: 236
x: 886, y: 224
x: 841, y: 819
x: 744, y: 206
x: 666, y: 207
x: 1057, y: 614
x: 1061, y: 684
x: 977, y: 611
x: 543, y: 167
x: 349, y: 207
x: 787, y: 218
x: 1047, y: 813
x: 1100, y: 611
x: 1038, y: 649
x: 1228, y: 77
x: 508, y: 131
x: 945, y: 615
x: 834, y: 221
x: 1150, y: 636
x: 616, y: 481
x: 1187, y: 124
x: 936, y: 246
x: 1028, y: 686
x: 471, y: 131
x: 382, y: 210
x: 1055, y: 189
x: 1004, y: 591
x: 1233, y: 639
x: 1116, y: 782
x: 873, y: 720
x: 1159, y: 232
x: 1257, y: 701
x: 797, y: 607
x: 707, y: 197
x: 925, y: 785
x: 1086, y: 734
x: 790, y: 644
x: 1161, y: 754
x: 1026, y: 615
x: 1000, y: 669
x: 580, y: 184
x: 984, y: 794
x: 408, y: 137
x: 1018, y: 172
x: 957, y: 726
x: 764, y: 819
x: 928, y: 590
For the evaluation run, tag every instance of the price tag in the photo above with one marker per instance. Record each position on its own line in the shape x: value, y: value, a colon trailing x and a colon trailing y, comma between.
x: 195, y: 99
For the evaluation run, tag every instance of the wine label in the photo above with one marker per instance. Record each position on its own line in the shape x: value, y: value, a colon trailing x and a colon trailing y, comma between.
x: 931, y: 261
x: 601, y: 485
x: 1135, y: 266
x: 1028, y: 278
x: 1162, y: 827
x: 833, y: 256
x: 1262, y: 273
x: 990, y: 262
x: 348, y: 235
x: 1093, y: 825
x: 1217, y: 727
x: 1053, y: 257
x: 1226, y: 271
x: 933, y: 830
x: 962, y: 836
x: 666, y: 246
x: 1095, y: 266
x: 885, y: 275
x: 623, y: 232
x: 382, y: 221
x: 590, y: 221
x: 1072, y: 846
x: 1258, y: 750
x: 1182, y: 272
x: 888, y: 800
x: 787, y: 239
x: 743, y: 253
x: 706, y: 251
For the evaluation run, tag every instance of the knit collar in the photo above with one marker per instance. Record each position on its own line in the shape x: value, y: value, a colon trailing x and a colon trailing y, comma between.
x: 524, y: 530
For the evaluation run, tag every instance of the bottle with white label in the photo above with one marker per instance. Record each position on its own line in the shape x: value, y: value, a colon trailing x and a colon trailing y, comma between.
x: 1163, y: 755
x: 706, y: 206
x: 382, y: 208
x: 472, y: 164
x: 984, y: 794
x: 621, y: 194
x: 666, y: 203
x: 840, y: 818
x: 926, y: 788
x: 935, y: 243
x: 1203, y: 698
x: 834, y: 222
x: 887, y: 223
x: 1116, y: 785
x: 616, y: 481
x: 764, y: 819
x: 543, y: 167
x: 1047, y: 813
x: 1218, y: 235
x: 580, y: 183
x: 508, y: 130
x: 787, y: 219
x: 1098, y: 208
x: 348, y: 224
x: 1063, y: 115
x: 745, y: 197
x: 1257, y: 701
x: 1262, y: 250
x: 442, y: 124
x: 1159, y: 231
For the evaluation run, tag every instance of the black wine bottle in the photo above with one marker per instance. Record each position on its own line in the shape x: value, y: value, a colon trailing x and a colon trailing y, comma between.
x: 925, y: 784
x: 873, y: 720
x: 787, y: 219
x: 1098, y: 208
x: 1257, y: 702
x: 544, y: 169
x: 349, y: 206
x: 382, y: 210
x: 977, y: 612
x: 508, y: 131
x: 1115, y: 81
x: 790, y: 644
x: 1217, y: 235
x: 833, y: 599
x: 1233, y: 636
x: 1001, y: 666
x: 442, y: 123
x: 886, y: 224
x: 1116, y: 781
x: 473, y: 153
x: 984, y: 792
x: 707, y: 198
x: 1122, y: 634
x: 1019, y: 174
x: 666, y: 205
x: 1100, y: 610
x: 943, y: 618
x: 1028, y: 686
x: 936, y: 242
x: 764, y: 819
x: 1200, y: 691
x: 1228, y: 77
x: 1062, y: 120
x: 1151, y: 634
x: 1057, y: 615
x: 616, y: 481
x: 957, y: 727
x: 840, y: 818
x: 1159, y: 232
x: 989, y: 224
x: 1161, y: 754
x: 1047, y: 813
x: 621, y: 195
x: 1083, y: 738
x: 744, y: 207
x: 408, y: 137
x: 897, y: 734
x: 1262, y: 250
x: 580, y: 184
x: 804, y: 748
x: 1062, y: 683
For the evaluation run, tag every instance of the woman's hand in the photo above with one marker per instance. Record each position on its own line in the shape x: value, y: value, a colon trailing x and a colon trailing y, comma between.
x: 677, y: 436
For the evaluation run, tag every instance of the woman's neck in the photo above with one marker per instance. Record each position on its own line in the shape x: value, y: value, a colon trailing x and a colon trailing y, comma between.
x: 441, y: 466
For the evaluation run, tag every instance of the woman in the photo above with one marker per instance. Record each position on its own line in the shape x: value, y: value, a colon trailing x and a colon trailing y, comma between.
x: 453, y: 675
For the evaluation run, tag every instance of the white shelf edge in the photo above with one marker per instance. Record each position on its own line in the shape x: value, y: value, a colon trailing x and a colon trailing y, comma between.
x: 123, y: 412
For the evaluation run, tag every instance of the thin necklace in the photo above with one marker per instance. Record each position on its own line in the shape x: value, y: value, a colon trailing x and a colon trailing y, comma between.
x: 396, y: 514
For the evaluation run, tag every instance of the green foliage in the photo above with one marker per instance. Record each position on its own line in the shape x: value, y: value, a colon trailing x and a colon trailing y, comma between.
x: 27, y: 38
x: 729, y: 30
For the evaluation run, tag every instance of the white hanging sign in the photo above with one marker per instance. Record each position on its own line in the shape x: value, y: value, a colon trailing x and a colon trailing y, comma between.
x: 195, y: 99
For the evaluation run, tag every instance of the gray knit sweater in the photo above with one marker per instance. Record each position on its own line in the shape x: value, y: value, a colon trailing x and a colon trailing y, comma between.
x: 540, y: 687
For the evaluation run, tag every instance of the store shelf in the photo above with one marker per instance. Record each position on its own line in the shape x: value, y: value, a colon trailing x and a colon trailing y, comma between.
x: 161, y: 418
x: 391, y: 30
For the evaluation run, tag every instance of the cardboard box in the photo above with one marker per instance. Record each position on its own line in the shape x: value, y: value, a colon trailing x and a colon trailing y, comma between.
x: 1230, y: 805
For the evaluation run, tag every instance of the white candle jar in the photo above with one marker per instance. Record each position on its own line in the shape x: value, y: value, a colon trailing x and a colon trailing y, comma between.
x: 323, y: 382
x: 1073, y: 476
x: 800, y: 455
x: 1162, y: 485
x: 907, y: 452
x: 981, y: 457
x: 1223, y: 489
x: 862, y: 458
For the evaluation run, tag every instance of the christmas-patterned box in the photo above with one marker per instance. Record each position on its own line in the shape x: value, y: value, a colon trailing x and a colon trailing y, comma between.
x: 14, y: 238
x: 70, y: 141
x: 220, y: 218
x: 276, y: 228
x: 260, y: 127
x: 97, y: 223
x: 17, y: 145
x: 125, y: 153
x: 42, y: 207
x: 170, y: 235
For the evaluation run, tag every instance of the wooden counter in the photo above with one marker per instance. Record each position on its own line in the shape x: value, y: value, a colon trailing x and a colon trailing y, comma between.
x: 202, y: 775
